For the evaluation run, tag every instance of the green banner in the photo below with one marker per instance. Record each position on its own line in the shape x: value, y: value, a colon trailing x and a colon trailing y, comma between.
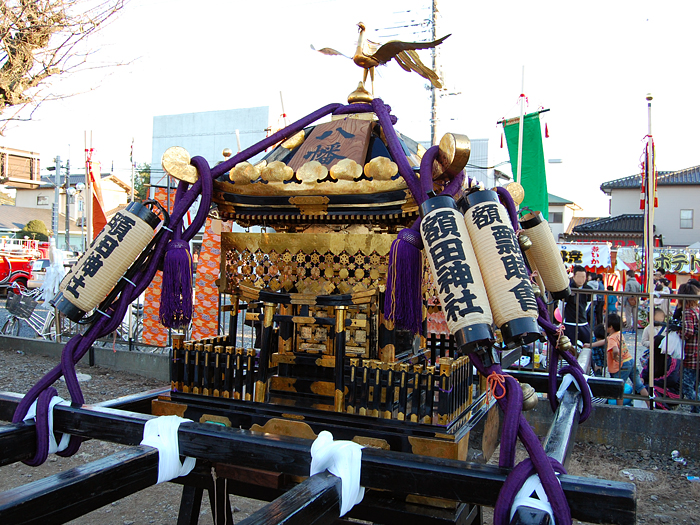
x: 533, y: 176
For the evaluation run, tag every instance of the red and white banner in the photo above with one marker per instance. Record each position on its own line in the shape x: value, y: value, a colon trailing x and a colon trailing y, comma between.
x: 586, y: 254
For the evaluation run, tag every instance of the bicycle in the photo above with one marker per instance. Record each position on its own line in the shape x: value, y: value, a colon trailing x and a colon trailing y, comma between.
x: 21, y: 307
x: 120, y: 336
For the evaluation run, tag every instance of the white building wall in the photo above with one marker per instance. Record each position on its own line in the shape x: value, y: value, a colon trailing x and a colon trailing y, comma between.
x: 558, y: 228
x: 205, y: 134
x: 624, y: 201
x: 672, y: 199
x: 112, y: 194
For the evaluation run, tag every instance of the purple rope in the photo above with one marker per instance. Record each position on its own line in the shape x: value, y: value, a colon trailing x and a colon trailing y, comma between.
x: 354, y: 108
x: 514, y: 481
x: 574, y: 368
x: 540, y: 460
x: 426, y: 169
x: 454, y: 186
x: 507, y: 200
x: 511, y: 423
x: 270, y: 141
x: 394, y: 146
x: 78, y: 346
x: 551, y: 333
x: 363, y: 108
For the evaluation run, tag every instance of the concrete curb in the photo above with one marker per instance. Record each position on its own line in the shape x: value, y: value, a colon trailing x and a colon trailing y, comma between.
x: 154, y: 366
x: 659, y: 431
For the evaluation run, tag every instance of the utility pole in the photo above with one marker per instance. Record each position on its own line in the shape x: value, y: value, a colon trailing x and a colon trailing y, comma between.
x: 433, y: 90
x: 57, y: 197
x: 68, y: 205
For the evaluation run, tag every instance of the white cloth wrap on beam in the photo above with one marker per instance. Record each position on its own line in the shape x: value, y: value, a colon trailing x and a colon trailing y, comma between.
x: 523, y: 498
x: 566, y: 381
x: 53, y: 445
x: 342, y: 459
x: 161, y: 433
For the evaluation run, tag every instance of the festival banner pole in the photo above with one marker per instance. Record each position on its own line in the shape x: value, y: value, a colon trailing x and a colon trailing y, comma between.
x: 649, y: 211
x: 520, y: 129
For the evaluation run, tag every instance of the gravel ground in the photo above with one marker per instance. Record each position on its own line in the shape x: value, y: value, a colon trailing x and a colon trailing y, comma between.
x: 157, y: 505
x: 669, y: 498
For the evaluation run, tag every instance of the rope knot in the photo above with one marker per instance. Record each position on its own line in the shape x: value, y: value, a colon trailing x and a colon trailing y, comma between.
x: 493, y: 381
x: 412, y: 237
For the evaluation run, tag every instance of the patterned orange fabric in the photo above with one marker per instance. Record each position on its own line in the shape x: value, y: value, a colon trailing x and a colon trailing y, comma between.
x: 155, y: 333
x: 206, y: 292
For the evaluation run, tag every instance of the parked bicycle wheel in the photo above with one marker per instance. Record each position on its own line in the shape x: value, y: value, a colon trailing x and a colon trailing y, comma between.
x: 11, y: 327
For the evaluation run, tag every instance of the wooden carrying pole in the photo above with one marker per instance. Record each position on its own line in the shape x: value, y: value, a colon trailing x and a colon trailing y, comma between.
x: 403, y: 473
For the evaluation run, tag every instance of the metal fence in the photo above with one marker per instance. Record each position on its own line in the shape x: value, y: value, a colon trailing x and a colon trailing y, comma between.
x: 676, y: 379
x: 27, y: 316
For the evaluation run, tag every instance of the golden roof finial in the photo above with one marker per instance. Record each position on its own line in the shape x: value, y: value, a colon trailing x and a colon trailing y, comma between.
x: 369, y: 54
x: 360, y: 95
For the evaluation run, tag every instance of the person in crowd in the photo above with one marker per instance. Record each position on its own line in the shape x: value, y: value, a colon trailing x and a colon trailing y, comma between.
x: 598, y: 349
x: 629, y: 304
x: 667, y: 377
x: 599, y: 299
x: 576, y: 325
x: 621, y: 364
x: 687, y: 288
x: 689, y: 333
x: 653, y: 328
x: 662, y: 289
x: 612, y: 301
x: 591, y: 283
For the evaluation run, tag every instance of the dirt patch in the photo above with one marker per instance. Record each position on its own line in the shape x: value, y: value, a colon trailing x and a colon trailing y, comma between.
x: 671, y: 498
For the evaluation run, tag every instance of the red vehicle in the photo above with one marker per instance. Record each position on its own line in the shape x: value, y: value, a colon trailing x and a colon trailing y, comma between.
x: 16, y: 257
x: 14, y: 269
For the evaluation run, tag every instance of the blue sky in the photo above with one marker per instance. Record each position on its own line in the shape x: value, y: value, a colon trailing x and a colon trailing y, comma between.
x: 591, y: 63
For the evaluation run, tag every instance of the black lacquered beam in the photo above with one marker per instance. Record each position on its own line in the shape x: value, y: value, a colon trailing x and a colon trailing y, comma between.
x: 140, y: 402
x: 71, y: 494
x: 600, y: 386
x: 560, y: 439
x: 316, y: 500
x: 17, y: 442
x: 402, y: 473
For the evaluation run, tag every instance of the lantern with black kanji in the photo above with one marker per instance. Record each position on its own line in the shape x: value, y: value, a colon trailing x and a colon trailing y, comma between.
x: 456, y: 273
x: 544, y: 255
x: 106, y: 260
x: 502, y: 267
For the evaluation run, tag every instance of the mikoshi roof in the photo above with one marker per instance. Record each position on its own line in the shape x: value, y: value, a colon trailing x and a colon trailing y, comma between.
x: 339, y: 171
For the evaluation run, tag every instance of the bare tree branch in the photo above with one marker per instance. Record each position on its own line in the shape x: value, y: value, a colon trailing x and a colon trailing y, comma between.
x: 45, y: 39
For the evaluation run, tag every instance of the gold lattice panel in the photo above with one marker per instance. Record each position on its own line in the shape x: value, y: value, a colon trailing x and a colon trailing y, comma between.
x: 320, y: 264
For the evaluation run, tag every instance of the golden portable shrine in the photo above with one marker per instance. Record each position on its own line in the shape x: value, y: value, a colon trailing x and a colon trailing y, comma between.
x: 313, y: 294
x: 308, y: 337
x: 366, y: 237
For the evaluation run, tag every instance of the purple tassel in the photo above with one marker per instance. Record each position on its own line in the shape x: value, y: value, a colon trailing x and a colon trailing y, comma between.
x: 403, y: 302
x: 176, y: 294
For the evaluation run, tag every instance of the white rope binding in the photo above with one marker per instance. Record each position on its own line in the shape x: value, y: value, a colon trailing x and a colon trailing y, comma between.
x: 524, y: 498
x: 161, y: 433
x: 342, y: 459
x: 53, y: 445
x: 569, y: 379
